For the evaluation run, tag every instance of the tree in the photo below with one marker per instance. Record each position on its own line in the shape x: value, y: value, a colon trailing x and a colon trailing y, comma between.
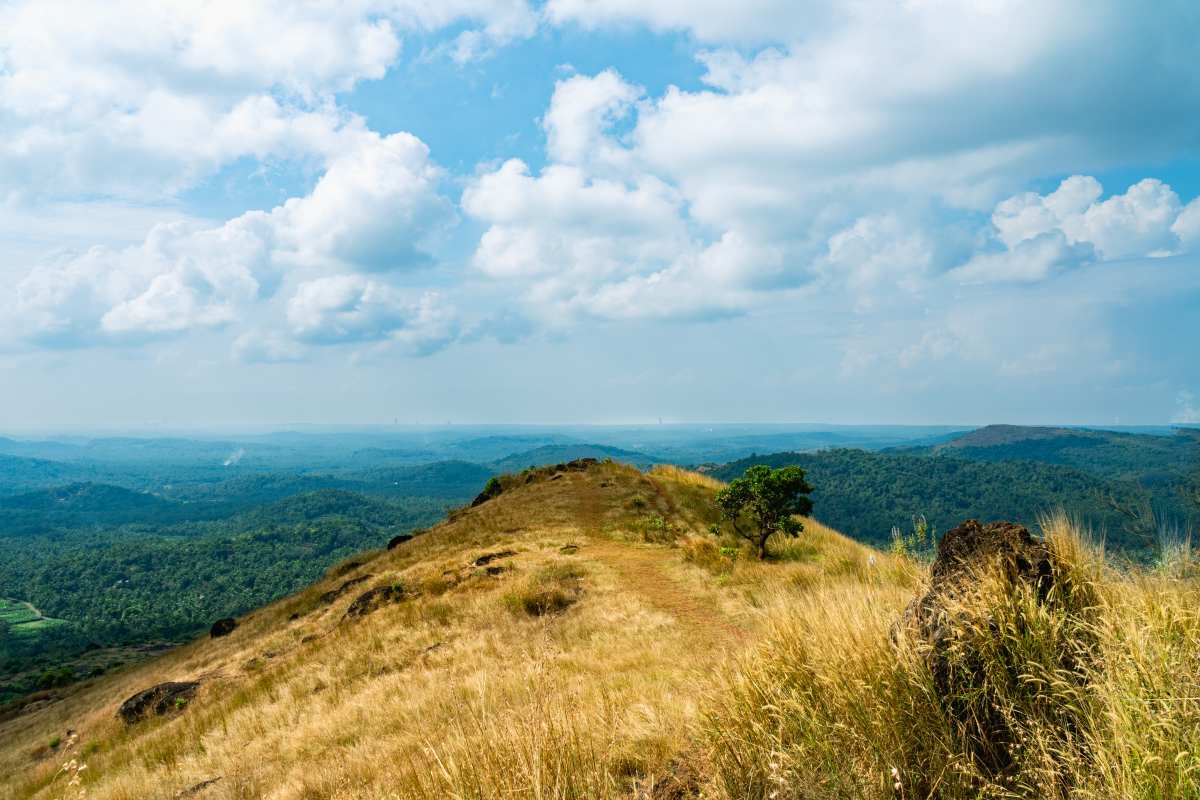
x: 764, y: 502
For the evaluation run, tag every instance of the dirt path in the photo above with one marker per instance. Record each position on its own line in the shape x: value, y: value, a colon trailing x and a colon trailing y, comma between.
x: 645, y: 569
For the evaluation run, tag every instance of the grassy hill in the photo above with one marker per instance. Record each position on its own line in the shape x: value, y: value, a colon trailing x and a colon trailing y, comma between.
x: 581, y: 635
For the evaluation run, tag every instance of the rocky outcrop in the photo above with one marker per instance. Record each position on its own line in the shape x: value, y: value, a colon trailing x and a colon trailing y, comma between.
x: 969, y: 626
x: 374, y: 599
x: 222, y: 627
x: 334, y: 594
x: 488, y: 558
x: 157, y: 700
x: 398, y: 540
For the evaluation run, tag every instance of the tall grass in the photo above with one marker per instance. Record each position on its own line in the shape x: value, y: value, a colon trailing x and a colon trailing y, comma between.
x: 1091, y: 693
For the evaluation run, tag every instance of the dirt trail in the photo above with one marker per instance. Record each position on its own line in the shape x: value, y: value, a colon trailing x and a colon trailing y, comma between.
x: 645, y: 569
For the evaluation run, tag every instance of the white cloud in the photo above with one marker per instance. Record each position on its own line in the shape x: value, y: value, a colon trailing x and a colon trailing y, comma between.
x: 569, y: 225
x: 1042, y: 235
x: 351, y: 308
x: 139, y: 99
x: 1029, y: 261
x: 376, y: 208
x: 582, y: 111
x: 372, y: 211
x: 878, y: 255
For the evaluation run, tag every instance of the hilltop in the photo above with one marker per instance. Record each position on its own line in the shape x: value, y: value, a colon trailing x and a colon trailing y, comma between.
x: 581, y: 634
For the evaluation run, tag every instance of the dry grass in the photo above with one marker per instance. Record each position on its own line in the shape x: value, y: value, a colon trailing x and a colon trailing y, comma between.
x: 1100, y: 689
x: 687, y: 658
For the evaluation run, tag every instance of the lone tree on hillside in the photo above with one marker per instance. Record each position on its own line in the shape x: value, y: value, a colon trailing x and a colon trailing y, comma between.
x: 764, y: 501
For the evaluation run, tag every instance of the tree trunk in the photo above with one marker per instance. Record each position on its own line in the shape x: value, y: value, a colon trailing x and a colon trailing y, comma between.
x: 762, y: 548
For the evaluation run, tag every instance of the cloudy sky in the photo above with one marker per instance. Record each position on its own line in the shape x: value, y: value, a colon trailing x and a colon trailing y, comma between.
x: 599, y: 211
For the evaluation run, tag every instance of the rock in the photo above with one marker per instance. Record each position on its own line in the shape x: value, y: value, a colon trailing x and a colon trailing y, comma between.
x: 195, y: 789
x: 222, y: 627
x: 488, y: 558
x: 569, y: 549
x: 375, y: 598
x: 158, y: 700
x: 396, y: 541
x: 334, y: 594
x: 948, y: 624
x: 579, y: 464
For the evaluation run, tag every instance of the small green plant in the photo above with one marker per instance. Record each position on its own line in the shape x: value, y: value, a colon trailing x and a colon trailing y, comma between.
x: 919, y: 544
x: 180, y: 702
x: 55, y: 741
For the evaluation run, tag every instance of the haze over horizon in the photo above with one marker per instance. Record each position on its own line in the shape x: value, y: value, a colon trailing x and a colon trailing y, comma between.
x: 500, y: 211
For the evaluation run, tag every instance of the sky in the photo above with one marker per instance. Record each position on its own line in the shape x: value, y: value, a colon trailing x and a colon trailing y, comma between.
x: 608, y: 211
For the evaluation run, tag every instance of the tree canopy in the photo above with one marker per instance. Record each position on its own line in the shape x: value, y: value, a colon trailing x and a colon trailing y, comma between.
x: 766, y: 501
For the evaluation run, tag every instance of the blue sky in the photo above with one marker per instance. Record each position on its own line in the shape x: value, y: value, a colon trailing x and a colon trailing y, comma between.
x: 603, y: 211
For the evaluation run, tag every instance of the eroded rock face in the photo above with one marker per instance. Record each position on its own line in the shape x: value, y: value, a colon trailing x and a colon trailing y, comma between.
x: 334, y: 594
x: 960, y: 636
x: 222, y: 627
x: 396, y: 541
x: 375, y: 598
x: 157, y: 700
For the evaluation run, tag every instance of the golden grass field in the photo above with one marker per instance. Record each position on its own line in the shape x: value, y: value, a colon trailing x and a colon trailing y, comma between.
x: 649, y: 660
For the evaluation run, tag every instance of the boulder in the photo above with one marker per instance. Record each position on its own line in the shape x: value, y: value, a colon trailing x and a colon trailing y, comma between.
x: 375, y: 598
x: 157, y: 700
x: 396, y: 541
x: 488, y: 558
x: 334, y: 594
x: 957, y: 634
x: 222, y: 627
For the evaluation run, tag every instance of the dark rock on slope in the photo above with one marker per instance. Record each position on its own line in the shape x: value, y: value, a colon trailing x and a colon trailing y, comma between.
x: 222, y: 627
x: 375, y: 598
x: 972, y: 621
x: 396, y: 541
x: 158, y: 700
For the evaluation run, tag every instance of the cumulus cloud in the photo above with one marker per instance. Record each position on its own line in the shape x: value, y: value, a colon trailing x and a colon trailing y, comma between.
x: 1044, y: 234
x: 351, y: 308
x: 139, y: 99
x: 372, y: 211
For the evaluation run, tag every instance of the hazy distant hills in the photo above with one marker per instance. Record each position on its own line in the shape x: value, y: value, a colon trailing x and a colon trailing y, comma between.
x: 1145, y: 458
x: 554, y: 454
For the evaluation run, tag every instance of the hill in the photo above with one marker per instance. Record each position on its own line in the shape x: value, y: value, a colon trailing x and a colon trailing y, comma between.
x: 581, y: 635
x: 87, y: 504
x: 558, y: 453
x: 1144, y: 458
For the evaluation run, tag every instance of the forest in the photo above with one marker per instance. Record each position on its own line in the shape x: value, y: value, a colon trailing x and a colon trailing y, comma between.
x: 1129, y: 505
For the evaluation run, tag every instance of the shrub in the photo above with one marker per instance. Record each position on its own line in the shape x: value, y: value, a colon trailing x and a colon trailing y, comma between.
x: 552, y: 589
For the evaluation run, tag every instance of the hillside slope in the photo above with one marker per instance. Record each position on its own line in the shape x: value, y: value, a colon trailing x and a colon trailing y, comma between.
x: 463, y: 690
x: 579, y: 635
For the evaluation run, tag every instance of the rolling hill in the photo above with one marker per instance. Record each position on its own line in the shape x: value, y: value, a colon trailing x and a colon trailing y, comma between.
x: 557, y: 453
x: 583, y: 635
